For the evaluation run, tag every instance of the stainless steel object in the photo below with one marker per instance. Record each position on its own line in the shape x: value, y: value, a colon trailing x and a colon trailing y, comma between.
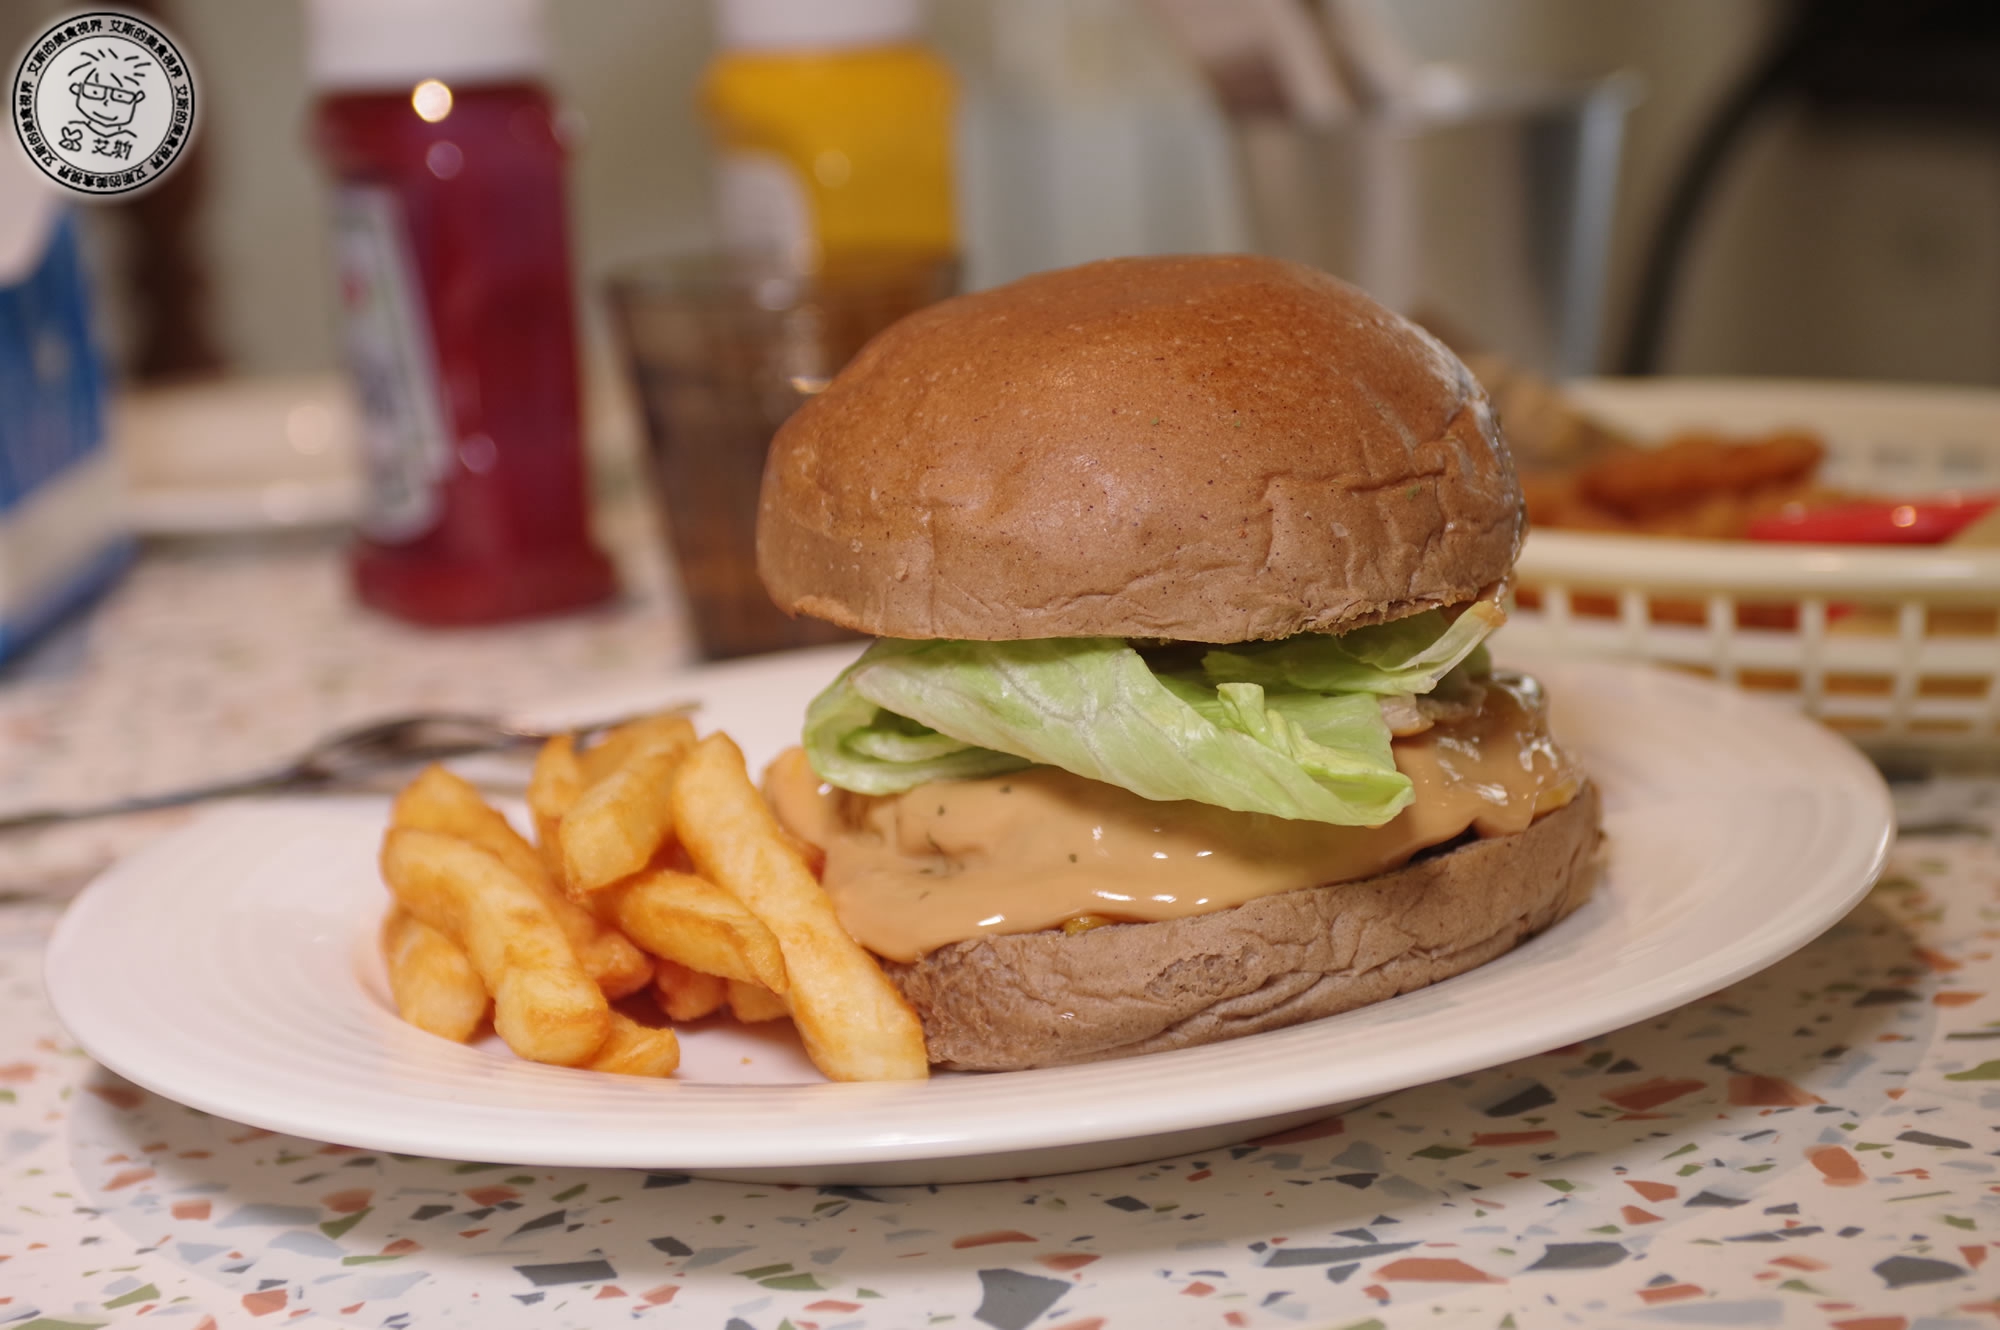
x: 1485, y: 209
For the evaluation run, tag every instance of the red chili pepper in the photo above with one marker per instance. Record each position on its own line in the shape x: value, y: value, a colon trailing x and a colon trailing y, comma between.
x: 1876, y: 521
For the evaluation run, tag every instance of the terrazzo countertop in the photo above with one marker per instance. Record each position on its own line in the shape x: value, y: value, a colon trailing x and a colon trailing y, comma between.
x: 1818, y: 1145
x: 216, y: 658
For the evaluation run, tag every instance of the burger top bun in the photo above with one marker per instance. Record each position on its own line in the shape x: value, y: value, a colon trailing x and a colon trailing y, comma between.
x: 1215, y: 449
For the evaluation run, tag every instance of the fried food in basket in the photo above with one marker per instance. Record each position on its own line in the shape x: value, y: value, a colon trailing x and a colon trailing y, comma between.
x: 1689, y: 469
x: 544, y: 1006
x: 603, y: 905
x: 855, y: 1025
x: 1695, y: 484
x: 435, y: 987
x: 1582, y: 474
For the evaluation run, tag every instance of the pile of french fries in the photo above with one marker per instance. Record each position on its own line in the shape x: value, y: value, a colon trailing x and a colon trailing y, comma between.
x: 655, y: 863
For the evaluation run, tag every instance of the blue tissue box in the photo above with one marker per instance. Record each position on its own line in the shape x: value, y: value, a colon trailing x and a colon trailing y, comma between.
x: 63, y: 536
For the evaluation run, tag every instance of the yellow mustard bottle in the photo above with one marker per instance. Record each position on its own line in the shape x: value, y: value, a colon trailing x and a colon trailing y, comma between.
x: 833, y: 129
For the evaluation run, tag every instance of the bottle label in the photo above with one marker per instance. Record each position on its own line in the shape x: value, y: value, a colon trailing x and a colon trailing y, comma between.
x: 764, y: 210
x: 405, y: 447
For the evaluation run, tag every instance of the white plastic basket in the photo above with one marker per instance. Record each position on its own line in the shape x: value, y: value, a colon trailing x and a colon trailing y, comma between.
x: 1898, y: 647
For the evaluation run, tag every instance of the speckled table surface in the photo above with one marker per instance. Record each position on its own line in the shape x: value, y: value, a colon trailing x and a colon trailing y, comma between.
x: 1817, y: 1146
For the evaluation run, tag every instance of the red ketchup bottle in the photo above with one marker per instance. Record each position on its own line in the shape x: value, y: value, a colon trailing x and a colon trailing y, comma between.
x: 453, y: 254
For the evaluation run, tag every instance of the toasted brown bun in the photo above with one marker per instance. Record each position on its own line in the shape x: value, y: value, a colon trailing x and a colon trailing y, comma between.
x: 1218, y: 449
x: 1020, y: 1000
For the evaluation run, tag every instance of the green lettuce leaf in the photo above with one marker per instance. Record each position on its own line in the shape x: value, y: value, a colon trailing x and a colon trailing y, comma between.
x: 1092, y: 706
x: 855, y: 744
x: 1407, y: 656
x: 1291, y: 728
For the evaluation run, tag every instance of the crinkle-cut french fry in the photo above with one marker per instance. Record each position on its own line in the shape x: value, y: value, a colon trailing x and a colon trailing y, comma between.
x: 555, y: 783
x: 439, y: 800
x: 688, y: 995
x: 618, y: 745
x: 435, y: 987
x: 545, y: 1006
x: 632, y: 1049
x: 693, y: 922
x: 752, y: 1003
x: 620, y: 822
x: 855, y: 1025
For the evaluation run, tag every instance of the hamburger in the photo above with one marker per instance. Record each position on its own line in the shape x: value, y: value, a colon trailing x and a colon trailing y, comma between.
x: 1179, y: 724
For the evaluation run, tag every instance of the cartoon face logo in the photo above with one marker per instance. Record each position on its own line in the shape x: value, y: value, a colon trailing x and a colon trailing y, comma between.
x: 108, y: 87
x: 103, y: 103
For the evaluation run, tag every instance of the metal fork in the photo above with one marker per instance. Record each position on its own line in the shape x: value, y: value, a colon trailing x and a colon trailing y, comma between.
x: 338, y: 759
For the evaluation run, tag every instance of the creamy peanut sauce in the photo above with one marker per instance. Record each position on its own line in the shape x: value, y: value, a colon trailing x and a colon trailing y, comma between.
x: 953, y: 860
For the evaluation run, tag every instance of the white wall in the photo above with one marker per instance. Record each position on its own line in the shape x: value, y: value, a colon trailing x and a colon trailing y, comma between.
x: 1871, y: 252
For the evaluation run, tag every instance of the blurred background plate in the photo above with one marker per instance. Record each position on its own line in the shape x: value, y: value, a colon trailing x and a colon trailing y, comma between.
x: 239, y: 454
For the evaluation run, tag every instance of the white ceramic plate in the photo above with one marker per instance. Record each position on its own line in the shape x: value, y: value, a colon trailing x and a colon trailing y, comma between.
x: 232, y: 967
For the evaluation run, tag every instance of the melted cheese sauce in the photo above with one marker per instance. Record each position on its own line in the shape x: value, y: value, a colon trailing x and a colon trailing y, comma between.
x: 953, y: 860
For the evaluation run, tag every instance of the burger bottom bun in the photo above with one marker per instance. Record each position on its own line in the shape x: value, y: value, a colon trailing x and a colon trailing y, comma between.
x: 1014, y: 1001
